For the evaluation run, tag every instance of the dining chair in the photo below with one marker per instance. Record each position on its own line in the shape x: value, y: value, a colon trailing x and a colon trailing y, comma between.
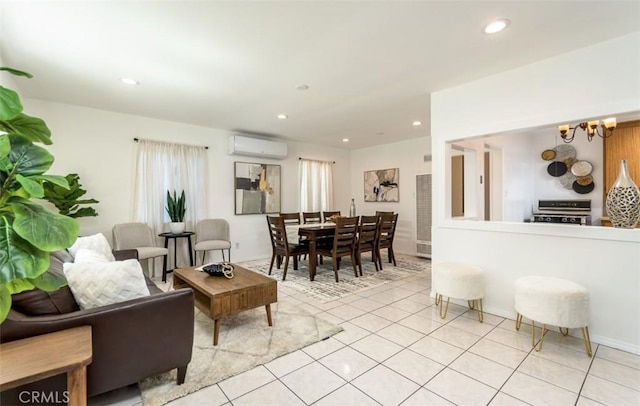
x: 290, y: 218
x: 367, y: 239
x: 327, y: 214
x: 311, y: 217
x: 212, y: 234
x: 344, y: 243
x: 388, y: 224
x: 281, y: 247
x: 380, y: 213
x: 138, y: 236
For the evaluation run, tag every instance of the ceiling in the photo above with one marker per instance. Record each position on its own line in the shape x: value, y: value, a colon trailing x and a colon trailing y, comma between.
x: 235, y: 65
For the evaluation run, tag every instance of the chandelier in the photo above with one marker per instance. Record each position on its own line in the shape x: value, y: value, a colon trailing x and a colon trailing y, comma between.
x: 590, y: 127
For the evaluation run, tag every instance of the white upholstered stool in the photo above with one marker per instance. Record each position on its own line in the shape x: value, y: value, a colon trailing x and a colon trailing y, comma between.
x: 458, y: 281
x: 554, y: 301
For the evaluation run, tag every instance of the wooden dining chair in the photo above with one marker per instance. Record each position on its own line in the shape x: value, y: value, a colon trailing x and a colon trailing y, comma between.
x: 388, y: 224
x: 327, y: 214
x: 290, y: 218
x: 367, y: 239
x: 344, y: 243
x: 380, y: 213
x: 311, y: 217
x: 281, y: 247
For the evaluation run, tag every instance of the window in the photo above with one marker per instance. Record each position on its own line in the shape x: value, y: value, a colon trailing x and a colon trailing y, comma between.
x: 316, y: 185
x: 162, y: 167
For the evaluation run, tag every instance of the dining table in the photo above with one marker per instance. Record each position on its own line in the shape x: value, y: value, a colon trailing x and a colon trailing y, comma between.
x: 310, y: 234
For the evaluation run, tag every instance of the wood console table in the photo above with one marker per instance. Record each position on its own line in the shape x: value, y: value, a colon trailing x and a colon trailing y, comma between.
x: 34, y: 358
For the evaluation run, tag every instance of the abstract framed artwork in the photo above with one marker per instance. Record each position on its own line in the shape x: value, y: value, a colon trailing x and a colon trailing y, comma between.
x: 257, y: 188
x: 382, y: 185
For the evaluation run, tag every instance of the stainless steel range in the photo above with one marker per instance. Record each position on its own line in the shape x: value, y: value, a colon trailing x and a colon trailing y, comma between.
x: 576, y: 212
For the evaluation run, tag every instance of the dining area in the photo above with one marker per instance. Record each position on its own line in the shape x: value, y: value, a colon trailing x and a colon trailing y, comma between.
x: 312, y: 236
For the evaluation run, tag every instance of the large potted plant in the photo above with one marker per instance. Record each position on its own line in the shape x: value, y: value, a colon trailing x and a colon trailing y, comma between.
x: 28, y: 231
x: 176, y: 208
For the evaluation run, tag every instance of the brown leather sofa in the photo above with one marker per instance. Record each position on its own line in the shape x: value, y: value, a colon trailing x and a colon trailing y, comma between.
x: 132, y: 340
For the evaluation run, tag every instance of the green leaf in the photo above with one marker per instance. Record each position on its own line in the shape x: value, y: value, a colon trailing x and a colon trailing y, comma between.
x: 18, y: 258
x: 31, y: 186
x: 86, y: 201
x: 45, y: 230
x: 84, y: 212
x: 5, y: 302
x: 35, y: 129
x: 10, y: 105
x: 16, y: 72
x: 60, y: 181
x: 30, y: 159
x: 19, y: 285
x: 5, y: 145
x: 49, y: 281
x: 5, y: 164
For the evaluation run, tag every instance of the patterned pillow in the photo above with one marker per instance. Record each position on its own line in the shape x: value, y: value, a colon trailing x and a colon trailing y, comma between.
x: 96, y: 284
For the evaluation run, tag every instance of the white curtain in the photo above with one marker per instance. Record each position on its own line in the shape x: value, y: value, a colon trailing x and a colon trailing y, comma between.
x: 316, y: 185
x: 162, y: 167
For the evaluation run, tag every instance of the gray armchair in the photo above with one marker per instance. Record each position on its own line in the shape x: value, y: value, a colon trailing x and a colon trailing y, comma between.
x: 212, y: 234
x: 138, y: 236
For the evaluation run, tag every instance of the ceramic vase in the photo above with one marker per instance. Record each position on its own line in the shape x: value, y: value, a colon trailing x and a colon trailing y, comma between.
x: 623, y: 200
x: 177, y: 228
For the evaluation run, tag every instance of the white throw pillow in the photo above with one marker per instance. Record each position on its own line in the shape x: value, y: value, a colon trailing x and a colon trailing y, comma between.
x: 96, y: 284
x: 85, y: 255
x: 97, y: 242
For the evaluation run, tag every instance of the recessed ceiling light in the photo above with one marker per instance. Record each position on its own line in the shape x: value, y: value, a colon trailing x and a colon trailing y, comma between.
x: 302, y: 87
x: 129, y: 81
x: 283, y: 116
x: 417, y: 123
x: 345, y: 140
x: 496, y: 26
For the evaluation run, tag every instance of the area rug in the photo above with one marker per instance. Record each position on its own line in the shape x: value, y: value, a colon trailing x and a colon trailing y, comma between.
x: 325, y: 288
x: 245, y: 341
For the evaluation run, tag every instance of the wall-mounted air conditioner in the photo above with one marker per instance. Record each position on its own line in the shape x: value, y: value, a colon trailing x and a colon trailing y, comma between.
x: 241, y: 145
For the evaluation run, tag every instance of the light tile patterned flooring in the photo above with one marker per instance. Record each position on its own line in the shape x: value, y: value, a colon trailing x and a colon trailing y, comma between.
x: 395, y: 350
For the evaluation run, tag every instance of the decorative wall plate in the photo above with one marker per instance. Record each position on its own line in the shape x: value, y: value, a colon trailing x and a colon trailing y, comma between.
x: 584, y: 180
x: 581, y: 168
x: 556, y: 169
x: 569, y: 162
x: 583, y: 190
x: 564, y: 151
x: 548, y: 154
x: 567, y: 180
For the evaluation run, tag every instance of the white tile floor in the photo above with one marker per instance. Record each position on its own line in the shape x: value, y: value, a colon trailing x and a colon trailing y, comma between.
x: 395, y: 350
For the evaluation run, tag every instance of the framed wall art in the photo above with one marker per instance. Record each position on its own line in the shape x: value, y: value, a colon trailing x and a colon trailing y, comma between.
x: 382, y: 185
x: 257, y: 188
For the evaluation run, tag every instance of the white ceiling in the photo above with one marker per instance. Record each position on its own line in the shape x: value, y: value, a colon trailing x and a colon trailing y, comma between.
x: 370, y: 65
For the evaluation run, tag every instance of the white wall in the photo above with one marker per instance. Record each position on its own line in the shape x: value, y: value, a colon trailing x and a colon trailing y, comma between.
x: 408, y: 156
x: 568, y: 88
x: 99, y: 146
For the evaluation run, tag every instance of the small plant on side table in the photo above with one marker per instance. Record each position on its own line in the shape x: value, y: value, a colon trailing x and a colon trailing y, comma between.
x: 176, y: 208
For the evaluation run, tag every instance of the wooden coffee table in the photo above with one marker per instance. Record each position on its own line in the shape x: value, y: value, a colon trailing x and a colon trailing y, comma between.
x: 218, y: 297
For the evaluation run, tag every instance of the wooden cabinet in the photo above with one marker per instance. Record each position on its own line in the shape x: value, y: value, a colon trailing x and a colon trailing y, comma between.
x: 623, y: 144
